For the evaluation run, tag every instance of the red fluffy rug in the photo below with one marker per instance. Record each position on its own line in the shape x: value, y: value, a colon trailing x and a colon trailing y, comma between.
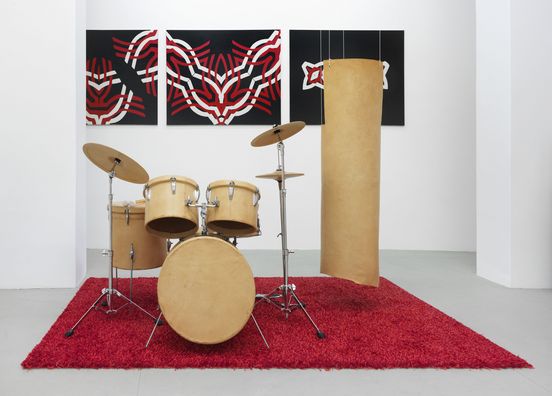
x: 365, y: 327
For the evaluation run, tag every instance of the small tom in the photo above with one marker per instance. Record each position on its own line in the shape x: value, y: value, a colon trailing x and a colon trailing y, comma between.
x: 236, y: 210
x: 168, y: 210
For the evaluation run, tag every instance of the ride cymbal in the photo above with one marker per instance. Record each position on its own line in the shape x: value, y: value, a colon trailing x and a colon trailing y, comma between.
x: 277, y: 134
x: 108, y: 159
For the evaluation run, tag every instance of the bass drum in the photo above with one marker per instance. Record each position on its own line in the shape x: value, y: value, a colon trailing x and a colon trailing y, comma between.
x: 206, y: 290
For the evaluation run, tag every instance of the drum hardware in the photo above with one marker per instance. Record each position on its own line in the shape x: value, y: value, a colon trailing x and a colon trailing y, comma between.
x: 282, y: 296
x: 109, y: 160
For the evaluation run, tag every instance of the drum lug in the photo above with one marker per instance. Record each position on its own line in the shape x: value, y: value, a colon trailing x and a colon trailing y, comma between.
x: 147, y: 192
x: 197, y: 194
x: 173, y: 185
x: 127, y: 213
x: 231, y: 187
x: 131, y: 253
x: 256, y: 197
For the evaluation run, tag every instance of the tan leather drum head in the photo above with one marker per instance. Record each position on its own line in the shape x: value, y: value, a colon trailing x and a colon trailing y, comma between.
x: 206, y: 290
x: 278, y: 133
x: 104, y: 157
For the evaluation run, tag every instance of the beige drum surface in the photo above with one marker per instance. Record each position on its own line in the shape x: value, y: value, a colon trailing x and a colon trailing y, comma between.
x: 129, y: 232
x: 167, y: 214
x: 206, y: 290
x: 351, y: 169
x: 237, y: 212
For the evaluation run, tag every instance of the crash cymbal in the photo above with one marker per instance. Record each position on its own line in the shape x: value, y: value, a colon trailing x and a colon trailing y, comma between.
x: 105, y: 157
x: 277, y: 134
x: 277, y: 175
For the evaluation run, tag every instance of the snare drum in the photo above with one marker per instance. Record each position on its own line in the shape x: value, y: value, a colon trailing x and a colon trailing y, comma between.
x: 206, y: 290
x: 168, y: 213
x: 133, y: 246
x: 236, y: 210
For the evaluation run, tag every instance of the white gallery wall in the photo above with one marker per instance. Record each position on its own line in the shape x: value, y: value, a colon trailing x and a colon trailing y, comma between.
x: 42, y: 233
x: 428, y: 166
x: 514, y: 141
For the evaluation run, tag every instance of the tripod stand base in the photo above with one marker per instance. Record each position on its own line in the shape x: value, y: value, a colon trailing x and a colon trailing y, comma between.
x: 109, y: 294
x: 282, y: 292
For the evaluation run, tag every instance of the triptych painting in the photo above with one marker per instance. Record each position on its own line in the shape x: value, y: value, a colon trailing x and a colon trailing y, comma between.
x: 228, y: 77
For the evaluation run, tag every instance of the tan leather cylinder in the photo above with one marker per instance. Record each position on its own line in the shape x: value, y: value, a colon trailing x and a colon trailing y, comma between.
x: 133, y: 246
x: 353, y: 93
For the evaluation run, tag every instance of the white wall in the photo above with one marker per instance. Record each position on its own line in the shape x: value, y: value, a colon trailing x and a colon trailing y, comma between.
x: 40, y: 243
x: 428, y: 171
x: 531, y: 143
x: 494, y: 205
x: 514, y: 165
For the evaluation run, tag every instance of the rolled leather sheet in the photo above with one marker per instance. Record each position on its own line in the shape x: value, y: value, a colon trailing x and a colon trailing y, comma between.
x: 353, y: 94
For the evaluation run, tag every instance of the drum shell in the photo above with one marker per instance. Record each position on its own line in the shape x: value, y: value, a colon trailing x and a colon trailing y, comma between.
x: 237, y: 216
x: 149, y: 250
x: 206, y: 290
x: 167, y: 214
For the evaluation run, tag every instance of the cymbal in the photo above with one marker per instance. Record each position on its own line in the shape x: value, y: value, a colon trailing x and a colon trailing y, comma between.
x: 277, y: 175
x: 104, y: 157
x: 277, y: 134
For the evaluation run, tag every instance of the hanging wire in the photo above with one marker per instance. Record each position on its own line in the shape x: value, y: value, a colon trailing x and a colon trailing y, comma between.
x: 321, y: 90
x: 379, y: 49
x: 329, y: 47
x: 343, y: 46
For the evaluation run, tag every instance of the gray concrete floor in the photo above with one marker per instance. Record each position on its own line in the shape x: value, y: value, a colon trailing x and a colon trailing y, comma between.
x: 519, y: 320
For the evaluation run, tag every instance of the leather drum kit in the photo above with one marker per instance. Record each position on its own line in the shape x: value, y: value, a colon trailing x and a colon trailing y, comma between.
x: 206, y: 289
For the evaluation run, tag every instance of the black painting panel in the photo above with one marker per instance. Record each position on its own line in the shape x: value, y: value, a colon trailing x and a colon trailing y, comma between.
x: 392, y: 51
x: 308, y: 48
x: 222, y: 77
x: 121, y: 77
x: 305, y: 105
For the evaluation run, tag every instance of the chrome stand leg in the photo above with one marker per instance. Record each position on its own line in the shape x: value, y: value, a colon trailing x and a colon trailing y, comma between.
x: 260, y: 331
x: 131, y: 276
x: 319, y: 333
x: 70, y: 332
x: 157, y: 323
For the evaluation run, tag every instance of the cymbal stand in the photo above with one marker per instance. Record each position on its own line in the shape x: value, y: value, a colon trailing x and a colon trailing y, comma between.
x: 282, y: 297
x: 109, y: 291
x: 204, y: 232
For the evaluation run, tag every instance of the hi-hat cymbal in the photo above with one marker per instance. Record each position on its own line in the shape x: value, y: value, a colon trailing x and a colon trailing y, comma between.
x: 105, y: 158
x: 277, y: 175
x: 277, y: 134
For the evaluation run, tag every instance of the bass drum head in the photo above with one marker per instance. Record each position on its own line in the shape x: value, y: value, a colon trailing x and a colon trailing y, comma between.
x: 206, y: 290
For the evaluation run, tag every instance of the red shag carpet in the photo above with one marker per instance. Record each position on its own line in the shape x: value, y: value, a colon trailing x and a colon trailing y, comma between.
x: 383, y: 327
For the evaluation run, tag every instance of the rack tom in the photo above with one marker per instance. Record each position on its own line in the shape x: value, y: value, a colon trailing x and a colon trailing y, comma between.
x: 168, y: 210
x: 235, y: 210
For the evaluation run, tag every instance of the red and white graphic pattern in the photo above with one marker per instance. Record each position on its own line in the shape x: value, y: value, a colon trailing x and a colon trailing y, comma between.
x: 108, y: 100
x: 143, y: 49
x: 221, y: 87
x: 314, y: 75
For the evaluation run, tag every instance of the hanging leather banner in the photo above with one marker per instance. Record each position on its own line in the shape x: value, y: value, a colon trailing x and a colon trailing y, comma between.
x: 353, y: 92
